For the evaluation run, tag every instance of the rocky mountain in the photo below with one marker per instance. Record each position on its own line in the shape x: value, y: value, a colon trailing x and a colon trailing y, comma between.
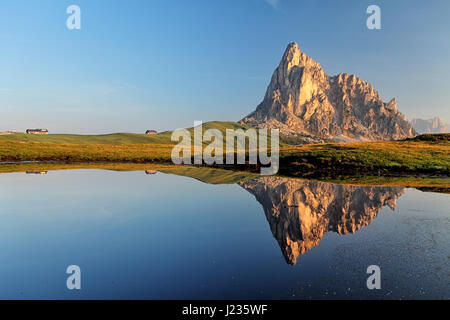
x: 302, y: 99
x: 301, y: 212
x: 434, y: 125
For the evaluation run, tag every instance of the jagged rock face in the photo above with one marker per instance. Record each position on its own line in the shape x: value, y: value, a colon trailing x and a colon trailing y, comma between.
x: 435, y: 125
x: 301, y: 212
x: 302, y: 98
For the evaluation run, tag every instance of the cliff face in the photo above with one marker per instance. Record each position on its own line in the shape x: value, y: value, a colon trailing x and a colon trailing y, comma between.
x: 301, y: 212
x: 302, y: 98
x: 434, y: 125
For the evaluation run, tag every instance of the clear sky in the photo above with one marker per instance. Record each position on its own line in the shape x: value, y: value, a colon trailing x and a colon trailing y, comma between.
x: 138, y: 65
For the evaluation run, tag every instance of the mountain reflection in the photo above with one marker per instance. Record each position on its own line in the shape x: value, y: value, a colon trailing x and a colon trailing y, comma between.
x: 301, y: 212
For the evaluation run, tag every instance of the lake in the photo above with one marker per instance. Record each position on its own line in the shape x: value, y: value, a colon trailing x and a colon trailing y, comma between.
x: 155, y: 235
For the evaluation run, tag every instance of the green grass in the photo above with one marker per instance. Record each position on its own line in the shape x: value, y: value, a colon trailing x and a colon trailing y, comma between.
x: 118, y: 147
x: 427, y: 154
x: 432, y: 184
x: 420, y: 155
x: 34, y: 151
x: 114, y: 138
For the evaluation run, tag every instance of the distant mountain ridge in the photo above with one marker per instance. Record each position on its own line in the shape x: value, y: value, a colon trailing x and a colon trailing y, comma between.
x: 435, y: 125
x: 302, y: 99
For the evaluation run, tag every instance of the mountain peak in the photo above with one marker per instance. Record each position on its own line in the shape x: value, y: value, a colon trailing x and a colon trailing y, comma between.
x: 302, y: 99
x: 434, y: 125
x: 292, y: 49
x: 293, y: 56
x: 292, y: 46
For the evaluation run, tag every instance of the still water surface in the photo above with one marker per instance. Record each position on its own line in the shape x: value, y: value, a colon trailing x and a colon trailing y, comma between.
x: 162, y: 236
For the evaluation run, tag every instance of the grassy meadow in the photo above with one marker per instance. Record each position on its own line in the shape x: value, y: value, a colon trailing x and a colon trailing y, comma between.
x: 425, y: 155
x: 114, y: 138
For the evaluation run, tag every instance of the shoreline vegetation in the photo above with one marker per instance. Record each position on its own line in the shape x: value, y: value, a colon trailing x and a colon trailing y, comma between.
x: 424, y: 157
x: 226, y: 176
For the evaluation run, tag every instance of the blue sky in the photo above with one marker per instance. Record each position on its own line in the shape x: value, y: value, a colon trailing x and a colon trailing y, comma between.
x: 138, y: 65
